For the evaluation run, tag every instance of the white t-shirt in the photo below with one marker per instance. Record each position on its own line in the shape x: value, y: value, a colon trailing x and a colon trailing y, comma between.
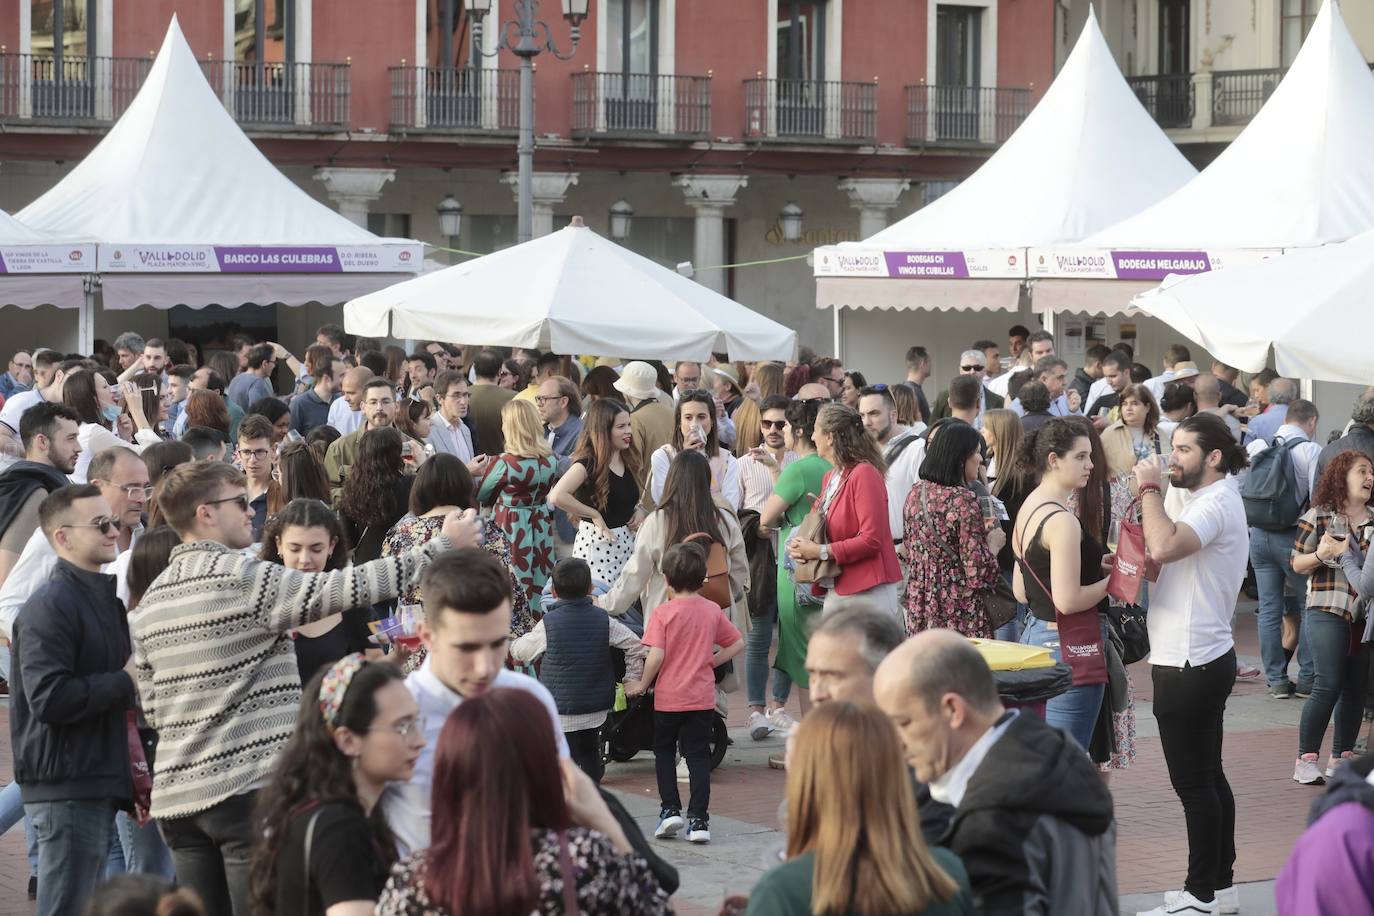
x: 1192, y: 604
x: 14, y: 408
x: 901, y: 477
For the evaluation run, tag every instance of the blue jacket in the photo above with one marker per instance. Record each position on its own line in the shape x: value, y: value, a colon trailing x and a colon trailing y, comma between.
x: 577, y: 663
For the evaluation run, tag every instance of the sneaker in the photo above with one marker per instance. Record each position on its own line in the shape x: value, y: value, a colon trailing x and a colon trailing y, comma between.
x: 759, y: 726
x: 1334, y: 762
x: 782, y: 723
x: 698, y: 831
x: 1246, y: 673
x: 1303, y: 689
x: 1281, y: 691
x: 1228, y: 900
x: 669, y: 824
x: 777, y: 761
x: 1307, y: 771
x: 1182, y: 903
x: 682, y: 774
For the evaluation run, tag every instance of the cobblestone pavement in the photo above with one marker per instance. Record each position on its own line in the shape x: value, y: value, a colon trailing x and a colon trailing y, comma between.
x: 1151, y: 850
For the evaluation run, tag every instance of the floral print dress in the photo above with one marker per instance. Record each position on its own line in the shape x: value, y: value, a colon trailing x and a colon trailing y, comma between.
x: 608, y: 883
x: 940, y: 592
x: 411, y: 532
x: 517, y: 489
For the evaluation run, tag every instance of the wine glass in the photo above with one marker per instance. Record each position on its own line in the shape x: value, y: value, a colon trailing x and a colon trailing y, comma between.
x: 1338, y: 527
x: 1113, y: 535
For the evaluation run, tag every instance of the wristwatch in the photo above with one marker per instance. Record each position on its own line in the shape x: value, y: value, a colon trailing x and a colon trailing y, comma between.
x: 825, y: 552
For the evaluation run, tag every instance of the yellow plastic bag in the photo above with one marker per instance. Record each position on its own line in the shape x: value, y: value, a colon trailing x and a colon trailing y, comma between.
x: 620, y: 703
x: 1013, y: 656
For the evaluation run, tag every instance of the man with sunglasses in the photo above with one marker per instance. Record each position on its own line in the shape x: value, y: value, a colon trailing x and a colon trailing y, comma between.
x: 73, y: 684
x: 975, y: 363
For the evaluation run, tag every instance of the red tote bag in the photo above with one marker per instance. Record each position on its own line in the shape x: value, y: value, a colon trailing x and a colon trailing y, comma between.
x: 1080, y: 640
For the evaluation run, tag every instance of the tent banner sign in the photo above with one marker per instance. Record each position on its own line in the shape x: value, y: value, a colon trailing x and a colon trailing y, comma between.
x: 47, y: 259
x: 835, y: 261
x: 261, y: 259
x: 1121, y: 264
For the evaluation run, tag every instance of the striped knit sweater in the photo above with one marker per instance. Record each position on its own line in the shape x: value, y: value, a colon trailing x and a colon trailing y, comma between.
x: 216, y: 669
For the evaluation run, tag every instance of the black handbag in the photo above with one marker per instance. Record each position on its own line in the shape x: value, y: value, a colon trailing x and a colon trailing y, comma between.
x: 1131, y: 627
x: 999, y: 603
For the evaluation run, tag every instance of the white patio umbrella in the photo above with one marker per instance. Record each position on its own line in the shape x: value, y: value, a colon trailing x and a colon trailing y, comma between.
x: 571, y: 292
x: 1311, y: 307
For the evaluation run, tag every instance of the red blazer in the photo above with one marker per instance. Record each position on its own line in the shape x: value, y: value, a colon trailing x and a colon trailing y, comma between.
x: 859, y: 533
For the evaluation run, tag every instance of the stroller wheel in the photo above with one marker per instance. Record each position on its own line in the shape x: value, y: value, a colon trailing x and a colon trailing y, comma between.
x: 720, y: 741
x: 620, y: 754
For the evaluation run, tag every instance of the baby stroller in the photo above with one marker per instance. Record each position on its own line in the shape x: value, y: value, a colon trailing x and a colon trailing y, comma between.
x: 631, y: 730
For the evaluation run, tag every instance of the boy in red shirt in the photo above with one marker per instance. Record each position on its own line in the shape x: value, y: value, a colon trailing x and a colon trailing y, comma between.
x: 680, y: 637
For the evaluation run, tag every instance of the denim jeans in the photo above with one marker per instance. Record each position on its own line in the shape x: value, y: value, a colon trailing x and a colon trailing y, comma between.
x: 73, y: 842
x: 756, y: 661
x: 1190, y: 703
x: 11, y: 812
x: 144, y: 851
x: 1270, y: 557
x: 1074, y: 711
x: 1339, y: 686
x: 212, y: 851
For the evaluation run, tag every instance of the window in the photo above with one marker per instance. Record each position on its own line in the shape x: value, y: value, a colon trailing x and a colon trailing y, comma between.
x: 448, y: 35
x: 1173, y: 38
x: 389, y: 225
x: 1295, y: 21
x: 264, y: 75
x: 63, y: 58
x: 958, y: 45
x: 801, y: 40
x: 264, y: 30
x: 633, y: 43
x: 59, y: 27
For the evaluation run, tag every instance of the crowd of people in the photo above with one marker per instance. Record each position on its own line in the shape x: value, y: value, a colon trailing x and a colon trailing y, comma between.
x: 343, y: 633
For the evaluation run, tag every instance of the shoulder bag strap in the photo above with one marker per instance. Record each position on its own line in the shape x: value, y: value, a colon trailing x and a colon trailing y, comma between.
x: 930, y: 523
x: 309, y: 842
x: 1020, y: 559
x: 569, y: 875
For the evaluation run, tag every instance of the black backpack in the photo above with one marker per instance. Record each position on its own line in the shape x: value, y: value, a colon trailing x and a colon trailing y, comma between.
x: 1270, y: 488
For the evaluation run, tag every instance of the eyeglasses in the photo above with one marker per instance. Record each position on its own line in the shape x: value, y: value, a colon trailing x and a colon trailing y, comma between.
x: 773, y: 424
x: 105, y: 523
x: 458, y: 396
x: 134, y: 490
x: 241, y: 501
x: 834, y: 381
x: 388, y: 402
x: 505, y: 372
x: 540, y: 399
x: 406, y: 727
x: 973, y: 368
x: 257, y: 454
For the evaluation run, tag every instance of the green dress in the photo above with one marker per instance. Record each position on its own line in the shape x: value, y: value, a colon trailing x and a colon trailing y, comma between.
x: 798, y: 484
x: 517, y: 487
x: 786, y: 889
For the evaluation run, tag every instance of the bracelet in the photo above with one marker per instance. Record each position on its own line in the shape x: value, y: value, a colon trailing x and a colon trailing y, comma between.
x: 1151, y: 488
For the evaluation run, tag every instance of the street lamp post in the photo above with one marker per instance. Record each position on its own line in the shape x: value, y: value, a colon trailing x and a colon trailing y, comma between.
x: 527, y: 37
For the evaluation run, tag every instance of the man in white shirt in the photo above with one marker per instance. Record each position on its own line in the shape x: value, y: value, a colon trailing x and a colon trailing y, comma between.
x: 1281, y: 608
x: 14, y: 408
x: 1053, y: 373
x: 1174, y: 354
x: 447, y: 431
x: 1192, y: 649
x: 466, y: 632
x: 901, y: 447
x: 1033, y: 820
x: 346, y: 412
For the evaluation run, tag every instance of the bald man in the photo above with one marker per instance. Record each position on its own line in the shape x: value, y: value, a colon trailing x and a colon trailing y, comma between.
x: 813, y: 391
x: 1033, y: 820
x: 346, y: 412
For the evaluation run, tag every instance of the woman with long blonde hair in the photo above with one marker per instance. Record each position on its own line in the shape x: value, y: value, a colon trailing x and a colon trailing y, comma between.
x: 748, y: 428
x: 854, y: 840
x: 517, y: 486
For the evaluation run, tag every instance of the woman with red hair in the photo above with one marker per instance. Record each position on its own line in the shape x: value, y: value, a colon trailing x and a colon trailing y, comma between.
x: 515, y: 831
x: 1333, y: 539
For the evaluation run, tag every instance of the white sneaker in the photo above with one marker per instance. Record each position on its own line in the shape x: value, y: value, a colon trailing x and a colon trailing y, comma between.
x: 759, y: 726
x: 1228, y: 901
x: 668, y: 826
x: 782, y: 723
x: 682, y: 774
x: 1333, y: 762
x: 698, y: 831
x: 1181, y: 903
x: 1307, y: 771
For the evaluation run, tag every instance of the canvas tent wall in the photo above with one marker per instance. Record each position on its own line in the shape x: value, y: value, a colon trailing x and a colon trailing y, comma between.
x: 186, y: 210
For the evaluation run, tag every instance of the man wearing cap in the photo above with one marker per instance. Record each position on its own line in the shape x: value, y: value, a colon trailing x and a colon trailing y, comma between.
x: 1176, y: 357
x: 651, y: 421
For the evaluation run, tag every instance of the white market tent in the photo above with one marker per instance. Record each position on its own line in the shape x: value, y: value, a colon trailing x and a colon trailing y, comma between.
x: 571, y: 292
x: 1087, y: 156
x: 40, y: 269
x: 186, y: 210
x: 1300, y: 175
x: 1310, y: 308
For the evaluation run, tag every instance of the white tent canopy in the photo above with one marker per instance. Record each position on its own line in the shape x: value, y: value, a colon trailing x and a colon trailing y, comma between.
x: 1299, y: 175
x: 571, y: 292
x: 176, y: 188
x: 1309, y: 307
x: 1087, y: 156
x: 40, y: 269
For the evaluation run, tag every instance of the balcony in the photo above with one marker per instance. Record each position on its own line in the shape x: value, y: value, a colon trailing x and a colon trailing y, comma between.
x: 451, y: 100
x: 282, y: 94
x: 811, y: 110
x: 641, y: 105
x: 1237, y: 95
x: 984, y: 115
x: 79, y: 90
x: 1169, y: 98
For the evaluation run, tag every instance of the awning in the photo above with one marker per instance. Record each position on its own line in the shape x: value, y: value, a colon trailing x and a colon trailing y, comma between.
x: 66, y: 291
x: 955, y: 295
x: 1095, y: 297
x: 128, y: 291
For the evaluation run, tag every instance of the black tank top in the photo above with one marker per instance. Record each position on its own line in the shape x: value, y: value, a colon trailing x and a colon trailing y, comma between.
x: 1037, y: 558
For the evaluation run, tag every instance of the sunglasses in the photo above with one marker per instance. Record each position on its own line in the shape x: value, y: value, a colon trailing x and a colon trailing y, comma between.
x: 773, y: 424
x: 104, y: 523
x: 241, y: 501
x: 973, y: 368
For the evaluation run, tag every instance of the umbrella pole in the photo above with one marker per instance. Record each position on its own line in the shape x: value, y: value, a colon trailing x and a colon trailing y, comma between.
x: 525, y: 152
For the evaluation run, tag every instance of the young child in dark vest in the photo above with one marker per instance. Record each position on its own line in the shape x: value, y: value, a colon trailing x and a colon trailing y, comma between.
x: 573, y: 638
x: 681, y: 636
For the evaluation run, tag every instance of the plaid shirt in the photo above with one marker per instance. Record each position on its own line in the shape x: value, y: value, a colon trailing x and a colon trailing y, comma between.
x: 1328, y: 589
